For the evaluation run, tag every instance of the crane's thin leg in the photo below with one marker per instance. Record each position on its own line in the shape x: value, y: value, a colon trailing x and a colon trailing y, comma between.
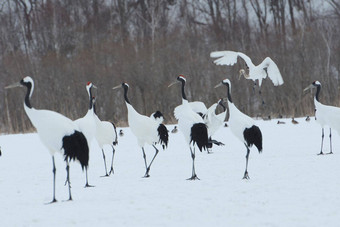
x: 330, y: 141
x: 68, y: 180
x: 113, y: 155
x: 148, y: 168
x: 322, y: 136
x: 87, y: 185
x: 246, y: 176
x: 146, y: 165
x: 193, y: 176
x: 54, y: 172
x: 106, y: 175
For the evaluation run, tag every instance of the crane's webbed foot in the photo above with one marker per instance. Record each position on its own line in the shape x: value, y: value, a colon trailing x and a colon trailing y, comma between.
x: 194, y: 177
x: 246, y: 176
x: 87, y: 185
x: 321, y: 153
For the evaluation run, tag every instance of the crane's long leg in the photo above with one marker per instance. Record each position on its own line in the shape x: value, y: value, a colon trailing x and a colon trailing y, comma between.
x: 148, y: 168
x: 330, y: 141
x: 87, y: 185
x: 146, y: 165
x: 106, y: 174
x: 113, y: 155
x: 54, y: 170
x: 322, y: 136
x: 246, y: 176
x: 193, y: 176
x: 68, y: 179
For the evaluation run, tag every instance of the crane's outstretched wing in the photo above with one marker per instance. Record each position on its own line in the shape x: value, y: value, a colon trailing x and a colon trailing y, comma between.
x: 198, y: 107
x: 273, y: 71
x: 229, y: 57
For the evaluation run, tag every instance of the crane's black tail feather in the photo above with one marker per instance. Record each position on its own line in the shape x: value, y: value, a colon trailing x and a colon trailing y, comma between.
x: 253, y: 136
x: 76, y: 148
x: 199, y: 136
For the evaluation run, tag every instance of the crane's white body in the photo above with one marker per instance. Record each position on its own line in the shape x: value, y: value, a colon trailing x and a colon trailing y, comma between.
x: 238, y: 122
x: 186, y: 118
x: 105, y: 132
x: 143, y: 127
x: 327, y: 115
x: 87, y: 125
x: 51, y: 127
x: 198, y: 107
x: 214, y: 121
x: 259, y: 72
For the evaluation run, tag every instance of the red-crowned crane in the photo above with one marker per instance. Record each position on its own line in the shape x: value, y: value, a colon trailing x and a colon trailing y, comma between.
x: 191, y: 124
x: 57, y: 132
x: 242, y: 126
x: 148, y: 130
x: 106, y: 134
x: 256, y: 72
x: 87, y: 124
x: 325, y: 115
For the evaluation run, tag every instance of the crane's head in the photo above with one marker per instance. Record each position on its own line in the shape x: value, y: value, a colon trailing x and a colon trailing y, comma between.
x: 180, y: 79
x: 26, y: 81
x: 224, y: 82
x: 123, y: 85
x: 243, y: 72
x: 315, y: 83
x: 93, y: 99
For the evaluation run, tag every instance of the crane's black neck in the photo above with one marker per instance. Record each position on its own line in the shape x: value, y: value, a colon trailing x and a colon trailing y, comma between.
x: 229, y: 96
x: 318, y: 88
x: 183, y: 92
x: 28, y: 85
x: 94, y: 108
x: 126, y: 88
x: 91, y: 100
x: 223, y: 106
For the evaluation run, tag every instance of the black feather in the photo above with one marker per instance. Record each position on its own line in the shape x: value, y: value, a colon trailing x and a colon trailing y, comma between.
x: 76, y: 148
x: 199, y: 135
x: 163, y: 135
x: 158, y: 114
x: 253, y: 136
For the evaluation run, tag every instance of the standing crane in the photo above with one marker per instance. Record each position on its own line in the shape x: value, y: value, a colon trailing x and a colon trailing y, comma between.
x: 192, y: 126
x: 106, y: 134
x: 148, y: 130
x: 325, y: 115
x: 57, y: 132
x: 242, y: 126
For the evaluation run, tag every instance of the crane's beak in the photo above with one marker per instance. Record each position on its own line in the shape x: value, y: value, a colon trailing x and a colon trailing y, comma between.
x: 309, y: 87
x: 18, y: 84
x: 116, y: 87
x: 173, y: 83
x: 94, y: 86
x: 218, y: 85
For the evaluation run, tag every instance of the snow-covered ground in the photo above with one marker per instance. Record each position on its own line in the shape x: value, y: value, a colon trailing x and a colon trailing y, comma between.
x: 289, y: 184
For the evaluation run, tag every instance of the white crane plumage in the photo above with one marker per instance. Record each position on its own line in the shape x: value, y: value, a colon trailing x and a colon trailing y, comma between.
x: 242, y: 126
x: 215, y: 121
x: 192, y: 126
x: 259, y: 72
x: 87, y: 124
x: 148, y: 130
x: 106, y: 134
x: 57, y: 132
x: 325, y: 115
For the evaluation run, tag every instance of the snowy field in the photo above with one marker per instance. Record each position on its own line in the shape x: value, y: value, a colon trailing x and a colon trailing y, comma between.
x: 289, y: 184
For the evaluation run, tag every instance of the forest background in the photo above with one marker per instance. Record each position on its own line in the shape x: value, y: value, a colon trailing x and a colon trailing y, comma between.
x: 63, y: 44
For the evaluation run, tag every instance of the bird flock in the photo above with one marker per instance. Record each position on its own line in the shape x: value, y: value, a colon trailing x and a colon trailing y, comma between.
x: 197, y: 123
